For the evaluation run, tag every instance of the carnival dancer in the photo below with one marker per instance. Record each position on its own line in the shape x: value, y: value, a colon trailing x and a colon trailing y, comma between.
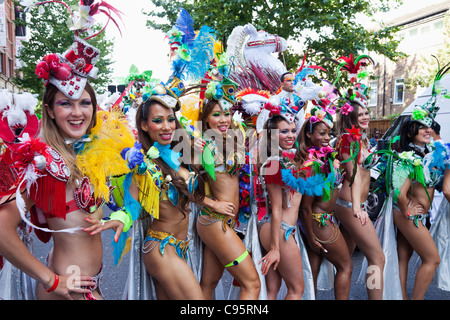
x: 412, y: 233
x: 418, y: 164
x: 278, y: 232
x: 353, y: 148
x: 59, y: 191
x: 217, y: 220
x: 320, y: 191
x: 438, y: 163
x: 165, y: 183
x: 166, y: 243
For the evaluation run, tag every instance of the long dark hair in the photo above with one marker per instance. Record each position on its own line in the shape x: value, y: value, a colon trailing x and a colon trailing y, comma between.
x: 144, y: 138
x: 345, y: 122
x: 304, y: 142
x: 408, y: 130
x: 229, y: 145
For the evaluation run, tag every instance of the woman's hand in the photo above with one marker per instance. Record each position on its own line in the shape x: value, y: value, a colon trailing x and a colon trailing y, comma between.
x: 415, y: 209
x: 272, y: 257
x: 72, y: 283
x: 316, y: 246
x: 224, y: 207
x: 102, y: 225
x: 362, y: 215
x: 199, y: 144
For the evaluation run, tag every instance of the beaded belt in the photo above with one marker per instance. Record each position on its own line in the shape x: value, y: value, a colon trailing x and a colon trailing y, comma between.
x: 322, y: 217
x: 226, y: 220
x: 165, y: 238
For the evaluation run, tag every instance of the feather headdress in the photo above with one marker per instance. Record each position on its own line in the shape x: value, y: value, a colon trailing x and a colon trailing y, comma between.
x: 354, y: 66
x: 69, y: 71
x: 426, y: 113
x: 190, y: 54
x: 306, y: 70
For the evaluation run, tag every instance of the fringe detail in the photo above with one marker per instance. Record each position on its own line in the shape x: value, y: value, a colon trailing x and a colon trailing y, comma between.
x: 49, y: 195
x: 22, y: 210
x: 149, y: 195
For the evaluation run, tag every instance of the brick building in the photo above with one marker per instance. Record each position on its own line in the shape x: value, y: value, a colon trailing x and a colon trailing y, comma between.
x: 7, y: 45
x: 421, y: 35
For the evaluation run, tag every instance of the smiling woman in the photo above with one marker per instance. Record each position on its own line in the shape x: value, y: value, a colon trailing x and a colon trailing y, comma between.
x: 62, y: 197
x: 160, y: 125
x: 72, y: 117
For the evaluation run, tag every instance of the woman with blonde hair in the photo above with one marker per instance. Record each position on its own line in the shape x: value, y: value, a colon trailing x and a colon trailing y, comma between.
x: 62, y: 195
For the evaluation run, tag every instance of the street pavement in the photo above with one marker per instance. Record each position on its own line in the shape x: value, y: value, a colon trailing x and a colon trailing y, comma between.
x: 114, y: 277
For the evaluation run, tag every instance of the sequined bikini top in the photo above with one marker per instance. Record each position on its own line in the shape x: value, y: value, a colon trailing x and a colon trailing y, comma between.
x: 167, y: 189
x: 231, y: 164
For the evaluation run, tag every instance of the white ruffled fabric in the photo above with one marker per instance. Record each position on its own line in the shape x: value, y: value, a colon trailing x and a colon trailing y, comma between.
x: 440, y: 232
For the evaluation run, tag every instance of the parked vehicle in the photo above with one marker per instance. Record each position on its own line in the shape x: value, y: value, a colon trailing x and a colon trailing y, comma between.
x: 376, y: 199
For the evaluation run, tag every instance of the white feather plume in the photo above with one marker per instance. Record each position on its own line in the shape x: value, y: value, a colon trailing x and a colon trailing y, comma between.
x: 26, y: 101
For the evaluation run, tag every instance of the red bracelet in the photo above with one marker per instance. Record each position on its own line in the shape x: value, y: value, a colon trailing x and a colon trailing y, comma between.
x: 55, y: 284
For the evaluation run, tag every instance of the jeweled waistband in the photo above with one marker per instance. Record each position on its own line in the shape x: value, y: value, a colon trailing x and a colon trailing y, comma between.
x: 226, y: 220
x: 165, y: 238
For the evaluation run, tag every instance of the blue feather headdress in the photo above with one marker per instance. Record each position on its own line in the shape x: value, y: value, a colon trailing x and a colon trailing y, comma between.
x: 190, y: 54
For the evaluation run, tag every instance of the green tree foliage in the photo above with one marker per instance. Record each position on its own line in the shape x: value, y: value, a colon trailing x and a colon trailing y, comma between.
x: 49, y: 34
x: 329, y: 28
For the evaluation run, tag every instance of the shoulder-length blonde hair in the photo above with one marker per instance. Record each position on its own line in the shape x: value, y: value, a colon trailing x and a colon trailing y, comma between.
x: 52, y: 134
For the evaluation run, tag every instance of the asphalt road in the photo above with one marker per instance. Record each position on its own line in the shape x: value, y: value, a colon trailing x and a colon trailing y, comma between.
x: 114, y: 278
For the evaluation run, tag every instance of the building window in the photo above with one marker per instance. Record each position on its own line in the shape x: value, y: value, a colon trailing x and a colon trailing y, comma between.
x: 2, y: 55
x: 373, y: 94
x: 438, y: 25
x: 413, y: 32
x: 399, y: 91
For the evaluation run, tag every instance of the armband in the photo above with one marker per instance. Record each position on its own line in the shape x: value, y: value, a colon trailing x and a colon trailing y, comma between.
x: 123, y: 217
